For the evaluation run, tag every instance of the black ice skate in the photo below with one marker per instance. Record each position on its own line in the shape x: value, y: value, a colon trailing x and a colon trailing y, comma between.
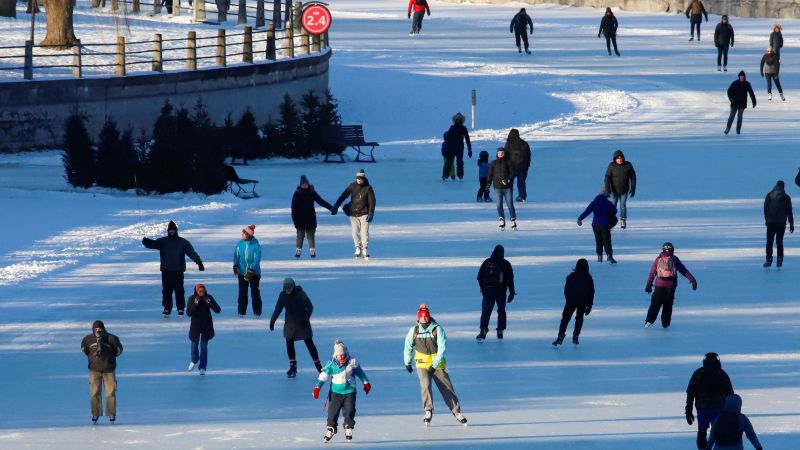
x: 502, y: 224
x: 329, y: 432
x: 292, y: 372
x: 559, y: 340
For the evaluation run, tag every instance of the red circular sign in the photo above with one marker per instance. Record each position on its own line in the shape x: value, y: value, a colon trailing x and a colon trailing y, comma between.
x: 316, y: 19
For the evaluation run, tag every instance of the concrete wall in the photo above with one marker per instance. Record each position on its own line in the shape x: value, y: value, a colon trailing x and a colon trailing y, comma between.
x: 32, y: 113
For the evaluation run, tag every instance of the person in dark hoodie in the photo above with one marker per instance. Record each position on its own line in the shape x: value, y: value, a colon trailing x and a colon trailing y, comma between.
x: 519, y: 26
x: 620, y: 183
x: 726, y: 432
x: 457, y: 135
x: 737, y: 94
x: 771, y: 66
x: 723, y: 40
x: 519, y: 155
x: 102, y: 349
x: 173, y: 251
x: 483, y: 177
x: 776, y: 40
x: 296, y: 323
x: 361, y: 210
x: 665, y: 271
x: 495, y: 278
x: 695, y: 12
x: 304, y: 216
x: 777, y: 210
x: 604, y: 217
x: 608, y: 27
x: 501, y: 176
x: 708, y: 387
x: 579, y: 296
x: 201, y: 329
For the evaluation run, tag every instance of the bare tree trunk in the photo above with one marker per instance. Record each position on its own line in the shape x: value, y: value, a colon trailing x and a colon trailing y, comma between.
x: 60, y: 33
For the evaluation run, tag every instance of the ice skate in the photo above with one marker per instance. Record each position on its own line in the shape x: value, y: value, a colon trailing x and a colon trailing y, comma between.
x: 191, y: 366
x: 348, y: 433
x: 691, y: 39
x: 427, y: 418
x: 318, y: 366
x: 112, y: 419
x: 202, y: 371
x: 292, y: 372
x: 460, y: 418
x: 575, y: 340
x: 647, y: 325
x: 297, y: 252
x: 329, y: 432
x: 519, y: 49
x: 611, y: 260
x: 366, y: 254
x: 769, y: 96
x: 623, y: 225
x: 499, y: 335
x: 502, y: 224
x: 180, y: 312
x: 724, y: 68
x: 165, y: 313
x: 779, y: 263
x: 782, y: 97
x: 481, y: 336
x: 358, y: 252
x: 527, y: 51
x: 559, y: 340
x: 514, y: 224
x: 719, y: 68
x: 94, y: 419
x: 312, y: 253
x: 599, y: 257
x: 768, y: 262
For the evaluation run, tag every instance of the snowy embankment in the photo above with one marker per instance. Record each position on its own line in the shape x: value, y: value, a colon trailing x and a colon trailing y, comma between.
x: 69, y: 257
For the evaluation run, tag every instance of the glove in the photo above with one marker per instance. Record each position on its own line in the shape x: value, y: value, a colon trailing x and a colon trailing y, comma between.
x: 649, y: 289
x: 249, y: 275
x: 334, y: 210
x: 431, y: 369
x: 409, y: 15
x: 632, y: 194
x: 580, y: 223
x: 200, y: 266
x: 469, y: 153
x: 316, y: 393
x: 511, y: 296
x: 762, y: 75
x: 694, y: 285
x: 429, y: 14
x: 236, y: 270
x: 689, y: 418
x: 598, y: 35
x: 272, y: 326
x: 791, y: 228
x: 369, y: 218
x: 408, y: 368
x: 588, y: 310
x: 367, y: 388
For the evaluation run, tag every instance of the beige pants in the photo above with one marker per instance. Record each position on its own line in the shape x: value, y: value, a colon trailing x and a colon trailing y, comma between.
x: 360, y: 228
x: 442, y: 380
x: 96, y: 382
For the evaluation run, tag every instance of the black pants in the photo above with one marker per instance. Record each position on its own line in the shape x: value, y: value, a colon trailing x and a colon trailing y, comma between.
x: 734, y: 111
x: 691, y: 31
x: 611, y: 40
x: 486, y: 311
x: 770, y: 78
x: 522, y: 189
x: 566, y: 315
x: 523, y: 35
x: 416, y: 23
x: 662, y: 299
x: 460, y: 164
x: 448, y: 166
x: 775, y: 232
x: 336, y: 404
x: 483, y: 191
x: 312, y: 349
x: 602, y: 239
x: 172, y: 281
x: 254, y: 292
x: 722, y: 55
x: 301, y: 233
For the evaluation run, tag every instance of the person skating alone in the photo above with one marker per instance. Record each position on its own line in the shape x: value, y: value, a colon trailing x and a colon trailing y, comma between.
x: 342, y: 370
x: 495, y: 278
x: 777, y: 210
x: 456, y: 136
x: 519, y: 155
x: 420, y: 7
x: 296, y: 323
x: 664, y: 272
x: 737, y: 94
x: 771, y: 67
x: 201, y: 329
x: 247, y: 269
x: 608, y: 27
x: 501, y: 176
x: 579, y: 296
x: 604, y: 217
x: 695, y: 12
x: 426, y: 344
x: 727, y: 429
x: 102, y: 349
x: 519, y: 26
x: 620, y: 182
x: 304, y: 216
x: 723, y: 40
x: 708, y: 387
x: 483, y: 177
x: 360, y: 210
x: 776, y: 40
x: 173, y: 251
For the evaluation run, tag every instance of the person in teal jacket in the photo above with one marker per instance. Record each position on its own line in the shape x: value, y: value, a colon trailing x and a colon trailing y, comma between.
x: 342, y: 370
x: 247, y: 268
x: 427, y: 343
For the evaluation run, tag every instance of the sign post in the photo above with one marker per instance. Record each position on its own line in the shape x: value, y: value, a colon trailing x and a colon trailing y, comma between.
x: 474, y: 97
x: 316, y: 18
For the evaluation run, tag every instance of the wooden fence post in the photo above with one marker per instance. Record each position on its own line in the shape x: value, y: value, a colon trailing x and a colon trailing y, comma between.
x: 176, y: 7
x: 276, y: 13
x: 120, y: 66
x: 259, y: 13
x: 157, y: 53
x: 242, y: 12
x: 136, y: 7
x: 77, y: 66
x: 191, y: 51
x: 247, y: 45
x: 28, y: 71
x: 222, y: 58
x: 271, y: 42
x: 288, y: 40
x: 199, y: 10
x: 297, y: 17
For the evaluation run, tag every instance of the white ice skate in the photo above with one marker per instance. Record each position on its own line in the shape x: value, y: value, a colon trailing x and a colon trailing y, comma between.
x: 427, y: 418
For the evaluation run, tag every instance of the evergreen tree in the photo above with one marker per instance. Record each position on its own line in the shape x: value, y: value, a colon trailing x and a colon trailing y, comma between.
x: 311, y: 122
x: 117, y: 160
x: 206, y: 153
x: 271, y: 144
x: 290, y: 130
x: 247, y: 135
x: 329, y: 111
x: 78, y: 157
x: 163, y: 161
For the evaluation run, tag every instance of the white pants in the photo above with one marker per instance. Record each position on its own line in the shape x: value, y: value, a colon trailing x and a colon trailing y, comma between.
x: 360, y: 228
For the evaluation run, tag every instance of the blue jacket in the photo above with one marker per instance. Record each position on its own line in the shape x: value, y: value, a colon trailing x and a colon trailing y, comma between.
x: 343, y: 377
x: 247, y: 255
x: 733, y: 405
x: 428, y: 348
x: 601, y: 209
x: 483, y: 169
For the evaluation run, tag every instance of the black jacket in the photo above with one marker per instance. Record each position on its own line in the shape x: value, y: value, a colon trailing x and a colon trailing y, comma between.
x: 708, y: 387
x: 200, y: 312
x: 297, y: 322
x: 501, y: 173
x: 723, y: 35
x: 518, y: 151
x: 303, y: 214
x: 620, y: 178
x: 173, y: 251
x: 102, y: 350
x: 737, y: 94
x: 776, y: 41
x: 456, y: 135
x: 507, y: 279
x: 362, y: 199
x: 579, y: 289
x: 521, y: 22
x: 778, y: 207
x: 608, y: 26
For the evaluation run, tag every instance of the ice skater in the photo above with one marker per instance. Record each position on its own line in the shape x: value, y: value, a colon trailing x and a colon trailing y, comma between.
x: 579, y: 296
x: 776, y: 40
x: 708, y: 387
x: 457, y: 135
x: 501, y: 176
x: 519, y: 26
x: 665, y: 271
x: 495, y: 278
x: 519, y: 156
x: 247, y: 269
x: 695, y: 12
x: 102, y: 349
x: 723, y: 40
x: 304, y: 216
x: 296, y: 323
x: 727, y: 430
x: 483, y: 177
x: 608, y: 27
x: 777, y: 210
x: 620, y: 182
x: 737, y: 94
x: 604, y: 217
x: 201, y: 329
x: 771, y: 67
x: 342, y: 370
x: 420, y: 7
x: 360, y: 210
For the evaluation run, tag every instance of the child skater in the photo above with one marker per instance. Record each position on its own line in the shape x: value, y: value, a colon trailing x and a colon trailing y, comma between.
x: 483, y: 173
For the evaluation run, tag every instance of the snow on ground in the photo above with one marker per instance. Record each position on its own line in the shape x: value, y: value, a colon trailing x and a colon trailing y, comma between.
x: 69, y: 257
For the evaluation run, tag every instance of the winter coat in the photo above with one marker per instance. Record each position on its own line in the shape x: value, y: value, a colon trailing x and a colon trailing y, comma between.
x: 797, y: 179
x: 620, y: 178
x: 708, y: 387
x: 723, y: 35
x: 506, y: 276
x: 501, y: 173
x: 579, y: 289
x: 200, y: 312
x: 173, y: 251
x: 608, y: 26
x: 428, y: 346
x: 362, y: 199
x: 601, y: 210
x: 457, y: 134
x: 419, y: 6
x: 732, y: 423
x: 671, y: 282
x: 303, y: 214
x: 342, y: 376
x: 770, y: 64
x: 778, y: 207
x: 102, y: 350
x: 247, y: 255
x: 695, y: 11
x: 521, y: 22
x: 776, y: 40
x: 483, y: 168
x: 297, y: 321
x: 518, y: 151
x: 738, y: 92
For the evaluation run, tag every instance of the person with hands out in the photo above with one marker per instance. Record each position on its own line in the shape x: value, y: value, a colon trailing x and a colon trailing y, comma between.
x: 342, y: 370
x: 296, y: 323
x: 604, y: 217
x: 664, y: 272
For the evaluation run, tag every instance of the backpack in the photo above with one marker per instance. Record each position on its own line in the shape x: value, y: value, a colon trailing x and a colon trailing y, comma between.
x: 666, y: 267
x: 697, y: 8
x: 492, y: 274
x: 726, y: 429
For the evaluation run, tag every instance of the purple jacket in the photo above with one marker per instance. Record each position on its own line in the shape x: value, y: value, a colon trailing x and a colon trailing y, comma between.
x: 668, y: 282
x: 601, y: 209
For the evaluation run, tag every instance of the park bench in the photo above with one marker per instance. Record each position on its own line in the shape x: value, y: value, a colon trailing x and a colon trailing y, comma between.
x: 337, y: 139
x: 240, y: 187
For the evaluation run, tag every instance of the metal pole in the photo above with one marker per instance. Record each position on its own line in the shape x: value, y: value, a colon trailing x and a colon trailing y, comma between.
x: 33, y: 16
x: 474, y: 97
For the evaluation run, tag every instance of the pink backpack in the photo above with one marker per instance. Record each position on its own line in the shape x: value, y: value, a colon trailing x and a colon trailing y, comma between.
x: 666, y: 267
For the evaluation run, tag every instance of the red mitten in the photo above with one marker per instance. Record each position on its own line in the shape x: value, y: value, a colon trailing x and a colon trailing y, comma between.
x: 367, y: 388
x: 316, y: 392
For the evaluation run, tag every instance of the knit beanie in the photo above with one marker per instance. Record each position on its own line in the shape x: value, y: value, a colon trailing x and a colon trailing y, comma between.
x: 361, y: 174
x: 339, y: 348
x: 249, y: 230
x: 197, y: 288
x: 172, y: 226
x: 423, y: 311
x: 303, y: 180
x: 288, y: 282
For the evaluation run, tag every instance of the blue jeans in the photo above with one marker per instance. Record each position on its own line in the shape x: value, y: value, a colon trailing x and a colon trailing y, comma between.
x: 508, y: 195
x: 622, y: 199
x: 202, y: 354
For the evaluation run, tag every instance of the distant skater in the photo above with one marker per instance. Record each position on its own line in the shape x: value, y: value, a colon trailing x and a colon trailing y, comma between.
x: 695, y: 12
x: 420, y: 7
x: 664, y: 272
x: 604, y: 217
x: 777, y: 210
x: 519, y: 26
x: 483, y: 177
x: 771, y: 67
x: 776, y: 40
x: 608, y: 27
x: 737, y: 94
x: 723, y: 40
x: 579, y: 296
x: 201, y: 330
